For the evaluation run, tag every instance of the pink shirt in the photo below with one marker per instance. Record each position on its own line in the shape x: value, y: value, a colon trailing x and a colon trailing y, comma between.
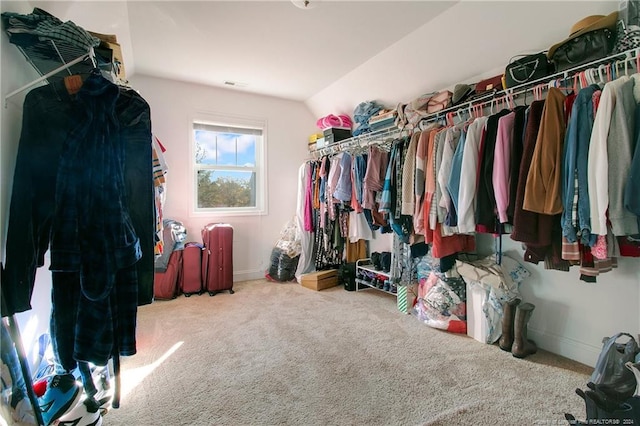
x: 502, y: 164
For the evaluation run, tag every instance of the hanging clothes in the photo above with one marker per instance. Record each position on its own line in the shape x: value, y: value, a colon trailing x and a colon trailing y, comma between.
x: 453, y: 184
x: 526, y: 224
x: 420, y: 180
x: 374, y: 177
x: 468, y: 176
x: 50, y: 114
x: 431, y: 184
x: 486, y: 203
x: 440, y: 211
x: 358, y: 165
x: 543, y: 188
x: 632, y: 188
x: 620, y: 148
x: 304, y: 214
x: 101, y: 243
x: 451, y: 140
x: 576, y: 214
x: 343, y: 190
x: 598, y: 164
x: 502, y: 164
x: 517, y: 148
x: 409, y: 176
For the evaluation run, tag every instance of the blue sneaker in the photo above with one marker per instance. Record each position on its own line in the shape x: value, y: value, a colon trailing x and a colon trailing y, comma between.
x: 63, y: 393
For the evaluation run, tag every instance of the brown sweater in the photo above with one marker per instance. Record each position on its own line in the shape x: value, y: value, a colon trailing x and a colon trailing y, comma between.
x: 543, y: 192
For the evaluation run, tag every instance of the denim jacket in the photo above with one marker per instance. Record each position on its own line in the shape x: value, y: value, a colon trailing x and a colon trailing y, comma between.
x: 576, y: 154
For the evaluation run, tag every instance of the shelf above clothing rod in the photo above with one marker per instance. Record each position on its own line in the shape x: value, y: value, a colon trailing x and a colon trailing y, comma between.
x: 626, y: 56
x: 386, y: 133
x: 481, y: 101
x: 46, y: 76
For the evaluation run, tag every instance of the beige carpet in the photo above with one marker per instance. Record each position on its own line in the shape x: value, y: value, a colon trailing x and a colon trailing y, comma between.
x: 280, y: 354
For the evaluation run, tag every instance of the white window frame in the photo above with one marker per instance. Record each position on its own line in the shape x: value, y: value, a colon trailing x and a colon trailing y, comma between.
x: 227, y: 120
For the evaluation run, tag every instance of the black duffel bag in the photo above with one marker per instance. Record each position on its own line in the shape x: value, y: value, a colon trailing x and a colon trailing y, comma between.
x: 590, y: 39
x: 527, y: 68
x: 583, y: 49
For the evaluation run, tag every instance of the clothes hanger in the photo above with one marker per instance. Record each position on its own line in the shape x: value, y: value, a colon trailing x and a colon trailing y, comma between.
x: 537, y: 92
x: 510, y: 101
x: 449, y: 118
x: 478, y: 111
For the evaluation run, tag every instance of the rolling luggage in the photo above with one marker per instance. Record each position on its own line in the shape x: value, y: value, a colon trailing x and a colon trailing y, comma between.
x: 166, y: 284
x: 217, y: 258
x: 191, y: 275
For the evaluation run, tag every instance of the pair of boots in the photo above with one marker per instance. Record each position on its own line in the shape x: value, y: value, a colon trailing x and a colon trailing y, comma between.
x: 515, y: 317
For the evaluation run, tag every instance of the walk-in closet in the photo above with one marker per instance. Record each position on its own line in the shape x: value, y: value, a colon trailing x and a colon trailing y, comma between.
x: 319, y: 212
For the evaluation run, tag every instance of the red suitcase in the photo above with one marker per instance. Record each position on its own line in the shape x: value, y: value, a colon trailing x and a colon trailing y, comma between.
x: 166, y: 284
x: 191, y: 275
x: 217, y: 258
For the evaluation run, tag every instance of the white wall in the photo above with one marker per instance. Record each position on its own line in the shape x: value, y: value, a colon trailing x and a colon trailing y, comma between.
x: 15, y: 72
x: 289, y: 124
x: 572, y: 316
x: 469, y: 41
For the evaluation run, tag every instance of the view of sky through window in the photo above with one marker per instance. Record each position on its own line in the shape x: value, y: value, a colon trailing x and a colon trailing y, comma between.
x: 226, y: 149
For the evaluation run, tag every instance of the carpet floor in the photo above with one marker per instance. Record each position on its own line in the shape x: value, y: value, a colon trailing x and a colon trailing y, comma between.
x: 280, y: 354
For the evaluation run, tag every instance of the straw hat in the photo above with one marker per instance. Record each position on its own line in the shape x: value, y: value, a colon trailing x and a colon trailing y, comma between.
x: 585, y: 25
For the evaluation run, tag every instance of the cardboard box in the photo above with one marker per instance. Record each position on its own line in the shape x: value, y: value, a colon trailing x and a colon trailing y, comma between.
x: 320, y: 280
x: 110, y: 42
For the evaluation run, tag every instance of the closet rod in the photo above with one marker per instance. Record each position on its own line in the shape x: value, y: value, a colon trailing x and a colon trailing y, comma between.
x: 47, y: 75
x: 391, y: 131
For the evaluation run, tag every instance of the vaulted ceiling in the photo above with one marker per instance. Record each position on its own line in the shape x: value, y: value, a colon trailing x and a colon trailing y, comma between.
x: 331, y: 55
x: 270, y: 47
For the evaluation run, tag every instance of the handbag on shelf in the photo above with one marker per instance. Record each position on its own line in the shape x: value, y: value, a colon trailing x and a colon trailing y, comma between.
x: 527, y: 68
x: 409, y: 115
x: 493, y: 84
x: 588, y: 47
x: 439, y: 101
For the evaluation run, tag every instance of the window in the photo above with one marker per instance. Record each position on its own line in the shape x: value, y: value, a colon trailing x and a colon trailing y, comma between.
x: 229, y: 171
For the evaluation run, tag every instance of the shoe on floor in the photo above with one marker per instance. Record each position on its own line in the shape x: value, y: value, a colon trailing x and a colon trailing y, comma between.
x: 104, y: 393
x: 23, y: 412
x: 86, y: 413
x: 62, y: 394
x: 40, y: 387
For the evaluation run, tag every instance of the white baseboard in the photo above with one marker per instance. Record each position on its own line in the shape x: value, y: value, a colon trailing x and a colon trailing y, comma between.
x: 255, y: 274
x: 570, y: 348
